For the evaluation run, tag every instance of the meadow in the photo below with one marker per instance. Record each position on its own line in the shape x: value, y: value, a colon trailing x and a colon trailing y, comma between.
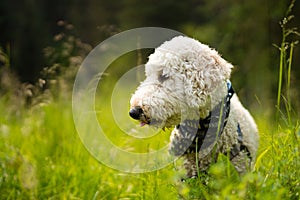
x: 42, y: 156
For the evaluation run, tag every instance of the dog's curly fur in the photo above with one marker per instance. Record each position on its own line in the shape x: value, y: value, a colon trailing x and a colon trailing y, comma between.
x: 186, y: 80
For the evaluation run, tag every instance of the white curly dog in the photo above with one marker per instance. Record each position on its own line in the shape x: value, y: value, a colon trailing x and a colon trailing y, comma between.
x: 187, y: 87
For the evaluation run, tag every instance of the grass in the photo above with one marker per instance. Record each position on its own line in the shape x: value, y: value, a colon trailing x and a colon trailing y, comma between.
x: 42, y: 157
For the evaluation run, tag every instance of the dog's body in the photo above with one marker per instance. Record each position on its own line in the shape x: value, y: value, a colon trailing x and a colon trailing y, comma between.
x: 187, y: 86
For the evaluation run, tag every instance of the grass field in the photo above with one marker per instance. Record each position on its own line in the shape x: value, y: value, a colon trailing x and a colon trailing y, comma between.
x: 42, y: 157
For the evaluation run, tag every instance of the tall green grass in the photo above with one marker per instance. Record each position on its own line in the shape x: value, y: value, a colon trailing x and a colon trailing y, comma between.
x: 42, y: 157
x: 286, y: 49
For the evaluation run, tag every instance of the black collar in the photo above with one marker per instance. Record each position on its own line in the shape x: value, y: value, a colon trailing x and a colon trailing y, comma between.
x: 200, y: 134
x: 211, y: 128
x: 196, y: 135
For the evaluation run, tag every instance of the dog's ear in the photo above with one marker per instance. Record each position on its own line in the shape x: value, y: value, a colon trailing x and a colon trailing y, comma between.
x: 206, y: 79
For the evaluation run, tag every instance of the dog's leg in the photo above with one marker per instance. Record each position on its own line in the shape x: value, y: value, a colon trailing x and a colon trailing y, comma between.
x: 242, y: 162
x: 191, y: 165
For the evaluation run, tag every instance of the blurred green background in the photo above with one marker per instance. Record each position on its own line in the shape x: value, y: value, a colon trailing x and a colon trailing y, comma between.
x: 242, y: 31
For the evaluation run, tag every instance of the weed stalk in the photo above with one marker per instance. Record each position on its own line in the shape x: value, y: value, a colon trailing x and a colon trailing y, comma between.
x: 285, y: 65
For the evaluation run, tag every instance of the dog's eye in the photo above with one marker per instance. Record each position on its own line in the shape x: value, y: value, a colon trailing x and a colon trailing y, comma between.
x: 163, y: 77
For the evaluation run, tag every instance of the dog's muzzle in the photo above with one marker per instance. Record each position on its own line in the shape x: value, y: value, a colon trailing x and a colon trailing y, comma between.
x: 136, y: 112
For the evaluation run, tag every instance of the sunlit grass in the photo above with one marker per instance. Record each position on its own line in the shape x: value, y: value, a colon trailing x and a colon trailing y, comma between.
x: 42, y: 157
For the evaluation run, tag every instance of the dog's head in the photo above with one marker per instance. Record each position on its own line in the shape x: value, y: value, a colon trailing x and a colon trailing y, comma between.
x: 183, y: 77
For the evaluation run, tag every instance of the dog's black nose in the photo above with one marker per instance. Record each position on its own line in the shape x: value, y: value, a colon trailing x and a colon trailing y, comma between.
x: 136, y: 112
